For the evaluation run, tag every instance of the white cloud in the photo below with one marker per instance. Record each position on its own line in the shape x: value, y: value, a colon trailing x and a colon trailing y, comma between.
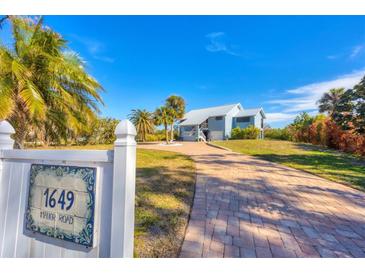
x: 94, y: 47
x: 104, y: 58
x: 350, y: 54
x: 279, y: 117
x: 218, y: 43
x: 305, y: 97
x: 356, y: 51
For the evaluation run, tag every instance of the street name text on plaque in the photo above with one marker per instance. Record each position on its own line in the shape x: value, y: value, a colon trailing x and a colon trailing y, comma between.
x: 61, y: 203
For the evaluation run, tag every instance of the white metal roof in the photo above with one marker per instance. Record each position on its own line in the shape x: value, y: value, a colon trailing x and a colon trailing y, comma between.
x: 250, y: 112
x: 198, y: 116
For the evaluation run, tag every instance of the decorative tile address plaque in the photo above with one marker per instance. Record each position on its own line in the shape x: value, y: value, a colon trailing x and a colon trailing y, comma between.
x: 61, y: 202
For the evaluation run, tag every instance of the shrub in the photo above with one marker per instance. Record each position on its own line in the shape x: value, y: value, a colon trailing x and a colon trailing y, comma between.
x: 245, y: 133
x: 333, y: 134
x: 325, y: 132
x: 278, y: 134
x: 236, y: 133
x: 155, y: 137
x: 250, y: 132
x: 320, y: 130
x: 300, y: 127
x: 102, y: 133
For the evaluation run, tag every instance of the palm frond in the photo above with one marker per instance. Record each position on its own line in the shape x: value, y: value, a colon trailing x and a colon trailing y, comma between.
x: 6, y: 102
x: 33, y: 100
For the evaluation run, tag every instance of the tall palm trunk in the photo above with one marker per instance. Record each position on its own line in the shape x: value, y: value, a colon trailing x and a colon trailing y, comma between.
x: 20, y: 122
x: 166, y: 134
x: 21, y: 130
x: 172, y: 132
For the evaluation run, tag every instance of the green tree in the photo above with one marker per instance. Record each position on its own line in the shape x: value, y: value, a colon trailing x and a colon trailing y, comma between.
x: 163, y: 116
x: 302, y: 120
x: 350, y: 111
x: 330, y: 100
x: 359, y: 107
x: 103, y: 132
x: 176, y: 104
x: 300, y: 126
x: 143, y: 121
x: 44, y: 87
x: 278, y: 133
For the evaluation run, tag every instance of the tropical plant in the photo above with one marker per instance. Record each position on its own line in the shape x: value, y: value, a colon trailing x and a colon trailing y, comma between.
x: 44, y: 87
x: 103, y: 131
x: 330, y: 100
x: 349, y: 114
x: 358, y: 111
x: 143, y: 120
x: 176, y: 104
x: 163, y: 116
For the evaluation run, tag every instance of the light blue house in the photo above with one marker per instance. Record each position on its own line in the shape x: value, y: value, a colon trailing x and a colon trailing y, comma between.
x: 216, y: 123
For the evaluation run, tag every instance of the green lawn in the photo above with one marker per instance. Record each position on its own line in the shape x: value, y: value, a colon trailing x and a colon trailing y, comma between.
x: 329, y: 164
x: 164, y: 194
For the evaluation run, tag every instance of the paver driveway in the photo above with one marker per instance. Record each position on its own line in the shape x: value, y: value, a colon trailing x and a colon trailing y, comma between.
x: 246, y: 207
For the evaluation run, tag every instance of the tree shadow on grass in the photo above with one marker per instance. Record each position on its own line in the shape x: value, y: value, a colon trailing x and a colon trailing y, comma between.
x: 163, y: 200
x: 332, y: 167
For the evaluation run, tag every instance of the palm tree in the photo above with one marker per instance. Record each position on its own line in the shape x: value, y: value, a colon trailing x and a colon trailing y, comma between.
x: 163, y: 116
x: 329, y: 100
x: 177, y: 106
x: 143, y: 121
x: 44, y: 87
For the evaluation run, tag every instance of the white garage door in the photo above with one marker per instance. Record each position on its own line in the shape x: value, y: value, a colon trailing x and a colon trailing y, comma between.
x: 216, y: 135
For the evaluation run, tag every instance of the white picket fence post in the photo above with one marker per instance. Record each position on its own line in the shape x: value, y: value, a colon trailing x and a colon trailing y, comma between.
x: 5, y: 131
x: 124, y: 184
x: 5, y: 143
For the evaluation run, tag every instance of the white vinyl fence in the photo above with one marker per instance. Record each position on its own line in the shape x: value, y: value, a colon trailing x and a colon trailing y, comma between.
x: 114, y: 195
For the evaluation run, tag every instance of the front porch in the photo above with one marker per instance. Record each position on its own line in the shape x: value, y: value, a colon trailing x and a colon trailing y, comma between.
x: 193, y: 133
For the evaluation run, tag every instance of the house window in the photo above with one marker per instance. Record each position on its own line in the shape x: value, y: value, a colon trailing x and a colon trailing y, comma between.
x: 187, y: 128
x: 219, y: 118
x: 243, y: 120
x: 262, y: 123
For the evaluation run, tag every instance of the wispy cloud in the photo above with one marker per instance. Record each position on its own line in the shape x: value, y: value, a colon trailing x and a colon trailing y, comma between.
x: 305, y: 98
x: 349, y: 53
x: 279, y: 117
x: 95, y: 48
x: 104, y: 58
x: 203, y: 87
x: 217, y: 43
x: 356, y: 51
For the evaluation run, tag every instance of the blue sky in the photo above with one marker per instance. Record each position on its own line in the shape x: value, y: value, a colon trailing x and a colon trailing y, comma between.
x: 282, y: 63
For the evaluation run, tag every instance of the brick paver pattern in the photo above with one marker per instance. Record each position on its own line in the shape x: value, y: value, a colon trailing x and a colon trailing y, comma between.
x: 246, y: 207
